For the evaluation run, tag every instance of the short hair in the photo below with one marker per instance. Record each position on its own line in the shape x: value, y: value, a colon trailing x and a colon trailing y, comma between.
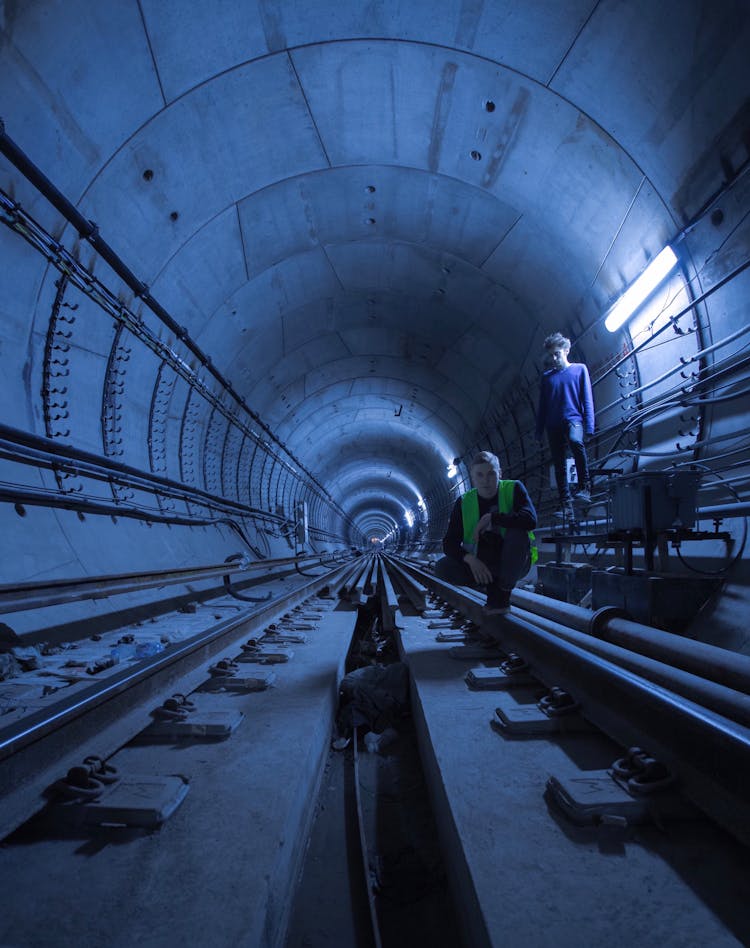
x: 556, y: 341
x: 487, y: 457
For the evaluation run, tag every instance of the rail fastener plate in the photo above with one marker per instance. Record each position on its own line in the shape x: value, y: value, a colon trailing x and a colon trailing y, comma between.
x: 135, y: 800
x: 596, y: 798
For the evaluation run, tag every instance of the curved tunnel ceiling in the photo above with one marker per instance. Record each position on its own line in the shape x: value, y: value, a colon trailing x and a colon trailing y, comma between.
x: 370, y: 215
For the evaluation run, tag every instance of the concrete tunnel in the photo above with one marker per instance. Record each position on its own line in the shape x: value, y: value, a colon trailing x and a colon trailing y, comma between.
x: 273, y: 272
x: 360, y: 224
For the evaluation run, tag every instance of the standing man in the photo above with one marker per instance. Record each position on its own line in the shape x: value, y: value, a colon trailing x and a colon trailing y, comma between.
x: 566, y: 411
x: 489, y: 544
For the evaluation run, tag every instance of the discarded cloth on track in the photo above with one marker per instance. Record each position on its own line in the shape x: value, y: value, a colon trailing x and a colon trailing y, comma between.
x: 374, y: 697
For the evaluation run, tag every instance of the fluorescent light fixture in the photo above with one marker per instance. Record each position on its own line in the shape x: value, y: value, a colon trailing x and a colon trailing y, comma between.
x: 409, y: 517
x: 421, y: 504
x: 452, y: 470
x: 655, y: 273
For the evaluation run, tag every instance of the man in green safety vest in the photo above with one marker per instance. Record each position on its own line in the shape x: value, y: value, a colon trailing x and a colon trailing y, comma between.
x: 489, y: 543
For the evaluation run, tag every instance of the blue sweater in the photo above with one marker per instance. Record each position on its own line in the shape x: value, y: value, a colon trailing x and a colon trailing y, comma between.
x: 565, y: 397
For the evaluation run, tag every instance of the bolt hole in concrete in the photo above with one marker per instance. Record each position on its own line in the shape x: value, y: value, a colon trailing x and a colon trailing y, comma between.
x: 405, y: 869
x: 489, y: 105
x: 476, y: 155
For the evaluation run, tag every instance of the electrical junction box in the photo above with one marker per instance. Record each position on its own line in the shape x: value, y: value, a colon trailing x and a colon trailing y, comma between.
x: 654, y: 500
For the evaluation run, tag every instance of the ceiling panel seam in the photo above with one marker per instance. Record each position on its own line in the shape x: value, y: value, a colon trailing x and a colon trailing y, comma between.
x: 342, y: 41
x: 151, y: 54
x: 617, y: 232
x: 334, y: 271
x: 307, y: 106
x: 568, y: 51
x: 500, y: 241
x: 242, y: 241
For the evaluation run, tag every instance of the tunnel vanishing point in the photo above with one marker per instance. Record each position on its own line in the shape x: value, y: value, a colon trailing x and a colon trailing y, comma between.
x: 272, y: 273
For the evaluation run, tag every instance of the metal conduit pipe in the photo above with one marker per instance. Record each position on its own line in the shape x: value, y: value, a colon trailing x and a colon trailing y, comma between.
x: 709, y: 662
x: 27, y: 448
x: 673, y: 319
x: 676, y: 397
x: 724, y: 481
x: 709, y: 754
x: 679, y: 448
x: 741, y: 509
x: 731, y: 704
x: 41, y: 595
x: 687, y: 360
x: 89, y: 231
x: 57, y: 500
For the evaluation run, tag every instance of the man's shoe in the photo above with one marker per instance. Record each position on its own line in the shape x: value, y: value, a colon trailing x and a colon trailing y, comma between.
x: 495, y: 611
x: 498, y: 602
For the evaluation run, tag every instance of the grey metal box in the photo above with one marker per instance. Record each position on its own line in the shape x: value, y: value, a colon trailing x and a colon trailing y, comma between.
x: 659, y: 500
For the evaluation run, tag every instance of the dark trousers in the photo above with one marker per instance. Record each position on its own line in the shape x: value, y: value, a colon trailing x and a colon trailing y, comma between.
x: 568, y: 436
x: 513, y: 562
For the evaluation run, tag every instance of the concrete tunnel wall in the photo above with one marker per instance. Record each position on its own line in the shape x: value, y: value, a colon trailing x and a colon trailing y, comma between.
x: 368, y: 220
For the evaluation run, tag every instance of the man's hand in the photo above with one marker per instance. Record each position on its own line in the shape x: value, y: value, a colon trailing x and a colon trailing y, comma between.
x: 480, y: 571
x: 485, y: 523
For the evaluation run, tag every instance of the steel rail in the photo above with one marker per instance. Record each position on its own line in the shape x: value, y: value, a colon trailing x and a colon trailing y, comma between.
x: 357, y: 581
x: 363, y: 847
x: 38, y: 595
x: 414, y: 590
x: 725, y: 667
x: 108, y: 714
x: 708, y: 752
x: 732, y: 704
x: 388, y: 597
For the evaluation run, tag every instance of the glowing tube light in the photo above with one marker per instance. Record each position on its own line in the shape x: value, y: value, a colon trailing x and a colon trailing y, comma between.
x: 655, y: 273
x: 409, y: 517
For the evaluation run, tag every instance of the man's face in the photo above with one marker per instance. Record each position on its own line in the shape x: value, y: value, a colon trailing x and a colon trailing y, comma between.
x: 559, y: 357
x: 485, y: 479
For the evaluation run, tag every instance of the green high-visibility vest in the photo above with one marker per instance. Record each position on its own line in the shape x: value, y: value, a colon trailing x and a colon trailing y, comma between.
x: 470, y: 513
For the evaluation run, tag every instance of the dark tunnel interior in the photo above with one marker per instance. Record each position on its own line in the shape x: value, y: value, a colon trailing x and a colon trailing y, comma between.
x: 299, y: 271
x: 272, y: 273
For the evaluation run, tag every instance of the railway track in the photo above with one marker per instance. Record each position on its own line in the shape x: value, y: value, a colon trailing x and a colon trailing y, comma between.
x: 92, y: 697
x: 686, y: 703
x: 226, y: 860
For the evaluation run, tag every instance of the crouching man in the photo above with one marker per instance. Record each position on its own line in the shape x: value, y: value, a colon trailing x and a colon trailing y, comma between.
x: 489, y: 544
